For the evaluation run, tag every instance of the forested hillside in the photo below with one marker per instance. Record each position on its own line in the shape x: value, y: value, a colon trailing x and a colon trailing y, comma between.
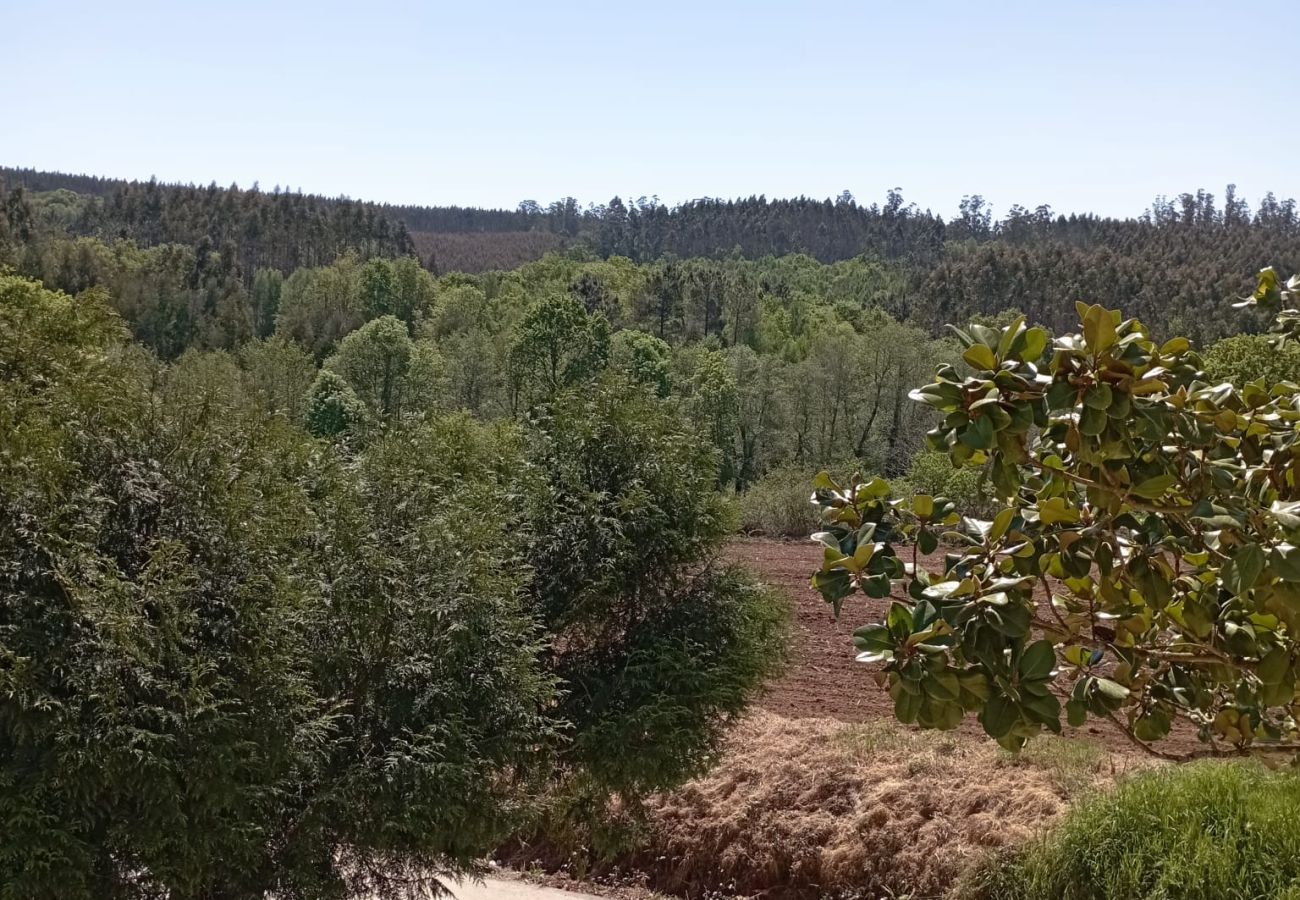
x: 1174, y: 263
x: 786, y: 359
x: 252, y: 228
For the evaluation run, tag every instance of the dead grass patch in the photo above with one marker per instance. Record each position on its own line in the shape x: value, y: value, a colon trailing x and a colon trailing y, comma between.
x: 799, y: 808
x: 813, y: 807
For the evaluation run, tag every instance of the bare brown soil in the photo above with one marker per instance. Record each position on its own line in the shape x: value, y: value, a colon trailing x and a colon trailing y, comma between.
x: 823, y: 679
x: 483, y: 251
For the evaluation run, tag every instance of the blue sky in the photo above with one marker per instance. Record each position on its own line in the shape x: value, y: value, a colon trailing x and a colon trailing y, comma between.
x: 1084, y: 105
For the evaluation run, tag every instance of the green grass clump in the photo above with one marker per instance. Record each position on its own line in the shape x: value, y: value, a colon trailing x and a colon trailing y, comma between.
x: 1205, y: 831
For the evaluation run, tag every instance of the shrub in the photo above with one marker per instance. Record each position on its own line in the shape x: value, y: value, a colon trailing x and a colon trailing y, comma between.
x: 1166, y: 508
x: 934, y: 474
x: 655, y: 644
x: 427, y: 643
x: 779, y: 505
x: 1205, y: 831
x: 229, y: 664
x: 1244, y: 358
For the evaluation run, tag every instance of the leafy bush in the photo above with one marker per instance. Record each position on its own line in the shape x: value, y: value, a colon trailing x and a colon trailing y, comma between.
x: 1246, y: 357
x: 1166, y: 507
x: 779, y: 504
x: 655, y: 644
x: 934, y: 474
x: 428, y: 634
x: 230, y: 665
x: 1206, y: 831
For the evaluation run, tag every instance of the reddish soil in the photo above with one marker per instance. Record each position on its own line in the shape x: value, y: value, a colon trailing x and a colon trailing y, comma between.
x: 824, y: 680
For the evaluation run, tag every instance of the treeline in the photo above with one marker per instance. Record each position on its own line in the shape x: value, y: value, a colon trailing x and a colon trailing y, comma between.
x: 252, y: 228
x: 39, y: 181
x: 1174, y: 264
x: 787, y: 361
x: 646, y: 229
x: 782, y: 361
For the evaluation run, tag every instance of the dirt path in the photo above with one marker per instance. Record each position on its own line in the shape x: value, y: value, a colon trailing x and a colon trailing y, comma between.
x: 512, y: 889
x: 824, y: 680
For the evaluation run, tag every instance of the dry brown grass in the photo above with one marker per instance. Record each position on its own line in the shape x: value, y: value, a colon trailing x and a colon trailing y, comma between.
x: 799, y: 808
x: 813, y: 807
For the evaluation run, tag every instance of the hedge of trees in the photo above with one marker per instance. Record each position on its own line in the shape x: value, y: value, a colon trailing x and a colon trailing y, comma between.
x: 239, y: 659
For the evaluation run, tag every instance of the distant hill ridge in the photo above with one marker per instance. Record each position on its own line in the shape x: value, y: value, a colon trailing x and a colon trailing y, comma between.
x: 1175, y: 263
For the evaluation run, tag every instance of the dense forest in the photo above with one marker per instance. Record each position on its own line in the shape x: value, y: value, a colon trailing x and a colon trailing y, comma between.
x: 269, y: 631
x: 792, y: 330
x: 1173, y: 264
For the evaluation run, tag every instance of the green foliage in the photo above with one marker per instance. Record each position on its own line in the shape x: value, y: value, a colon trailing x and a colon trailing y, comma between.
x: 933, y: 473
x: 229, y: 665
x: 428, y: 640
x: 398, y: 288
x: 153, y: 678
x: 387, y: 371
x: 643, y: 358
x: 848, y: 397
x: 282, y: 230
x: 319, y: 307
x: 760, y: 411
x: 779, y: 504
x: 1205, y: 831
x: 1161, y: 507
x: 714, y: 405
x: 655, y: 644
x: 557, y: 345
x: 175, y: 298
x: 237, y: 661
x: 333, y: 408
x: 1244, y: 358
x: 265, y: 300
x: 279, y: 373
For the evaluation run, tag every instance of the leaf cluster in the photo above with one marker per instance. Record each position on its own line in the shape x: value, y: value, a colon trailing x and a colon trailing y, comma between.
x: 1142, y: 564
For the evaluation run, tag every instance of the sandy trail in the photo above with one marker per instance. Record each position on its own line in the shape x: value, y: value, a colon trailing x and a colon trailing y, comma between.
x: 510, y: 889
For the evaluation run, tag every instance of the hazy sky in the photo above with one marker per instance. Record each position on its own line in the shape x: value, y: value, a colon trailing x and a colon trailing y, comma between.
x: 1091, y: 105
